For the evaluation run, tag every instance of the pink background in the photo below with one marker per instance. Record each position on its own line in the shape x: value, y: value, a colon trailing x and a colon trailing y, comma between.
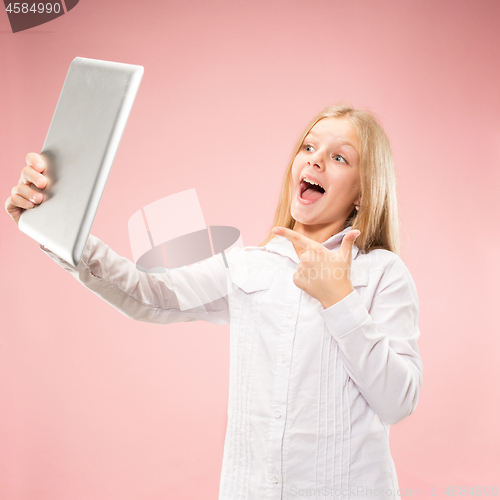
x: 96, y: 406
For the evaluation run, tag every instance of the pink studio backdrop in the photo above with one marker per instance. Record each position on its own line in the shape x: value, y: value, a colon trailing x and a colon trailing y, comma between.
x: 97, y: 406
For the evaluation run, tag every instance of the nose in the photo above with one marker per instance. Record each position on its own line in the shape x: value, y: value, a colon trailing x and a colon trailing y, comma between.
x: 317, y: 160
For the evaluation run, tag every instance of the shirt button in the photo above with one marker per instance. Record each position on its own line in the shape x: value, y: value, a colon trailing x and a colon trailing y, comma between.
x: 277, y: 413
x: 275, y: 479
x: 289, y: 313
x: 284, y: 357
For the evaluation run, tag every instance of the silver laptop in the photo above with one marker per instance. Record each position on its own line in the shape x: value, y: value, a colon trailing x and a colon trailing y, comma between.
x: 79, y: 149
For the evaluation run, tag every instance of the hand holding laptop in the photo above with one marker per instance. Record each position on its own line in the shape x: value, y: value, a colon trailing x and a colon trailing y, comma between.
x: 23, y: 196
x: 81, y: 143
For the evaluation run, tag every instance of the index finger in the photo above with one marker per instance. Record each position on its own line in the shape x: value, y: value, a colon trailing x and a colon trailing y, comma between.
x: 35, y: 161
x: 297, y: 238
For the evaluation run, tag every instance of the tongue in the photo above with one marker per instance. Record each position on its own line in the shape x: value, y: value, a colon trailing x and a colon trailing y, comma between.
x: 311, y: 194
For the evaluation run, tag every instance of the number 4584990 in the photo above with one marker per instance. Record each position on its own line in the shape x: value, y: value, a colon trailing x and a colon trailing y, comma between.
x: 40, y: 8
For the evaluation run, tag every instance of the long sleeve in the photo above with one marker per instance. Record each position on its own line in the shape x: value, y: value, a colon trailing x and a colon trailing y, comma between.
x: 379, y: 347
x: 198, y: 292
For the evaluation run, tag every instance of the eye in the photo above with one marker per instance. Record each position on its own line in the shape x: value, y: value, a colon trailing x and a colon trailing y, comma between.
x: 308, y: 148
x: 342, y: 160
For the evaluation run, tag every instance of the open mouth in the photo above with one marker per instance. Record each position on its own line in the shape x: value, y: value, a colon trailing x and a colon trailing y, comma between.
x: 310, y: 191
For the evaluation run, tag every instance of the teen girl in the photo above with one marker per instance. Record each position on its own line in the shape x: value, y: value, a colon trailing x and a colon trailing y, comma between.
x: 323, y: 343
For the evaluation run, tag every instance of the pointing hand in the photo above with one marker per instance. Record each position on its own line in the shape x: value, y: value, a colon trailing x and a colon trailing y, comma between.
x: 323, y: 274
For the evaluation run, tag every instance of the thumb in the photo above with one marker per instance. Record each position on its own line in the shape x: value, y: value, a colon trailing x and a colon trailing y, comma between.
x: 348, y: 242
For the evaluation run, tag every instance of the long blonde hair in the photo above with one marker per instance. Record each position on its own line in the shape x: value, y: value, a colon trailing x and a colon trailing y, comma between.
x: 377, y: 218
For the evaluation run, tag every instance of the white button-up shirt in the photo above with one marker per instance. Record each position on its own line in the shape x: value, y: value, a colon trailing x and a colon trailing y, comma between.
x: 312, y: 391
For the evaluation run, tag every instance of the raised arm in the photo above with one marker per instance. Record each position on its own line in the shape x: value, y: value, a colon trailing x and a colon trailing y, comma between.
x: 183, y: 294
x: 198, y: 292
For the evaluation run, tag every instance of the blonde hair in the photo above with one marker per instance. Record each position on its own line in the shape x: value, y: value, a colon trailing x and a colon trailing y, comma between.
x: 377, y: 218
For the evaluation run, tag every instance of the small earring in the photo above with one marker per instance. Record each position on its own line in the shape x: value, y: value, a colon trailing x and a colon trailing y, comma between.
x: 356, y: 205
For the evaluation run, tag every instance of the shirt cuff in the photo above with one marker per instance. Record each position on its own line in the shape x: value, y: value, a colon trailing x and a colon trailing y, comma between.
x: 69, y: 267
x: 346, y: 315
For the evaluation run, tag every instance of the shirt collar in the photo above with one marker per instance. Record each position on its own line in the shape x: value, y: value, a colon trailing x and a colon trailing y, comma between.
x: 283, y: 246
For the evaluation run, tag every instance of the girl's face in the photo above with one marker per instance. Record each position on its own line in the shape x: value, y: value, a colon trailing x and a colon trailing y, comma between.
x: 329, y: 156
